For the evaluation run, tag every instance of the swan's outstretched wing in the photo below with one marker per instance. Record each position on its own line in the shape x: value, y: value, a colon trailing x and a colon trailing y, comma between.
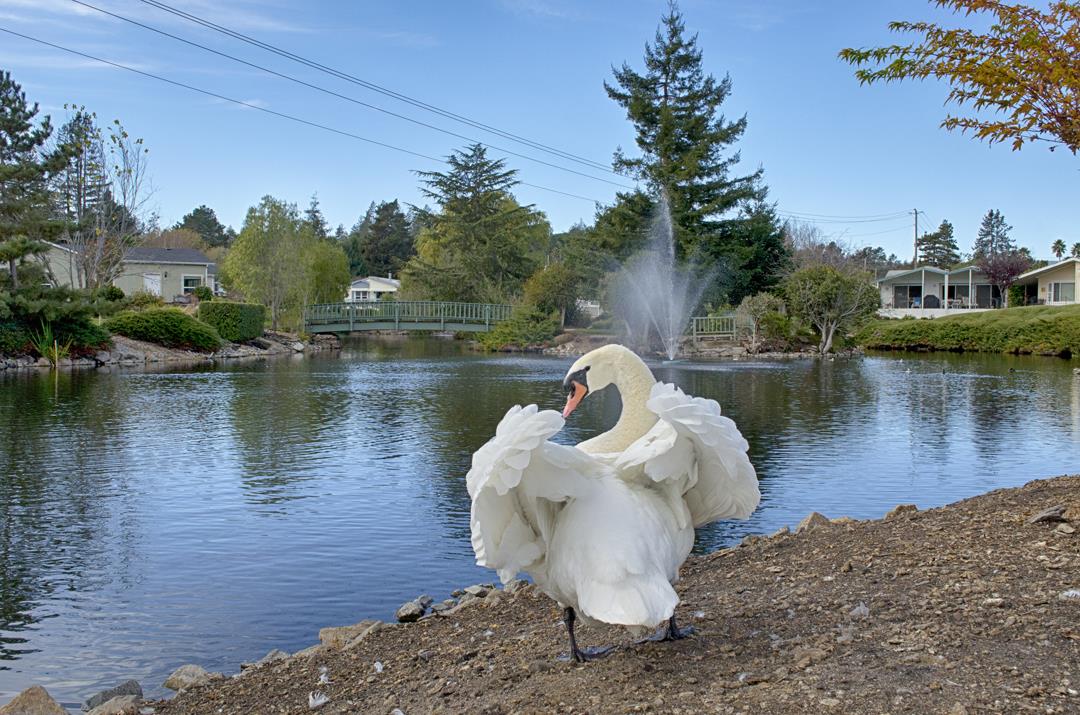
x: 518, y: 483
x: 698, y: 449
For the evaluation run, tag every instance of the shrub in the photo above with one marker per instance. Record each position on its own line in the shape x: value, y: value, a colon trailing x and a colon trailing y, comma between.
x: 142, y: 300
x: 109, y: 293
x: 169, y: 327
x: 526, y: 326
x: 236, y: 322
x: 1016, y: 296
x: 203, y: 293
x: 14, y: 339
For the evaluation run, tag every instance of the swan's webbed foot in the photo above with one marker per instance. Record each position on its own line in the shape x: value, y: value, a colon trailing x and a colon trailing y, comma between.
x: 580, y: 655
x: 674, y: 633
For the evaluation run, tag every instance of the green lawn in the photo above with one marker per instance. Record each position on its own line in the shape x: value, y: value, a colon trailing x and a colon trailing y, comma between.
x: 1039, y: 330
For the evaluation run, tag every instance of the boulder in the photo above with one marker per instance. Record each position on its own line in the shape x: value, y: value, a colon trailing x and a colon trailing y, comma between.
x: 425, y: 600
x: 477, y: 590
x: 120, y: 705
x: 189, y: 676
x: 128, y: 687
x: 900, y: 510
x: 409, y: 612
x: 35, y: 700
x: 298, y: 347
x: 812, y: 521
x: 271, y: 657
x: 341, y: 636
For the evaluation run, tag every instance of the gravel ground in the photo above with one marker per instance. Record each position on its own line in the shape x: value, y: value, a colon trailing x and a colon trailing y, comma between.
x: 962, y: 609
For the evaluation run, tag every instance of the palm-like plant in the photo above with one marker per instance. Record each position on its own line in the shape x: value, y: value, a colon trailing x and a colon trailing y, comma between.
x: 1076, y: 250
x: 1058, y: 249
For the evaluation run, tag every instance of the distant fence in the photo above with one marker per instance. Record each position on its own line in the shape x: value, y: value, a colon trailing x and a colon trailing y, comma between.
x: 403, y: 315
x: 719, y: 327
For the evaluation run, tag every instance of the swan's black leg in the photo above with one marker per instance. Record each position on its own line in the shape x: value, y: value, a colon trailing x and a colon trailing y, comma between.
x: 579, y: 655
x: 674, y: 633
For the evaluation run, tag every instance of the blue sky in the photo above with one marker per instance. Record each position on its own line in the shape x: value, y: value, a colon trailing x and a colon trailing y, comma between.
x: 534, y: 68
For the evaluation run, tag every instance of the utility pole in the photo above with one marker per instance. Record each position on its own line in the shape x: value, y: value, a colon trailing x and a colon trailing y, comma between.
x: 915, y: 261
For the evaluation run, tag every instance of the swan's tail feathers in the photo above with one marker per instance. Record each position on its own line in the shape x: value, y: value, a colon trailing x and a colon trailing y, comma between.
x: 722, y: 483
x: 636, y: 601
x: 517, y: 482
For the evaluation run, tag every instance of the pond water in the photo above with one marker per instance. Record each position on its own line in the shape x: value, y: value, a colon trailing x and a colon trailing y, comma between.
x: 150, y: 519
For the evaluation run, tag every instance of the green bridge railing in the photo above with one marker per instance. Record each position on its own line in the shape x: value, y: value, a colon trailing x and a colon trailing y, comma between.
x: 403, y: 315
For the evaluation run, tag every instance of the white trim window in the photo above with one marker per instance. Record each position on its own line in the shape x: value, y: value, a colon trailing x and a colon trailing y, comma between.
x: 1063, y: 292
x: 189, y: 282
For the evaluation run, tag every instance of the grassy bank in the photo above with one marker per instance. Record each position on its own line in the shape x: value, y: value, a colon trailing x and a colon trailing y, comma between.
x: 1037, y: 330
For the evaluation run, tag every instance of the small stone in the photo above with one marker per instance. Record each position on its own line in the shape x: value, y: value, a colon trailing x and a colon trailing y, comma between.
x: 298, y: 347
x: 128, y: 687
x: 958, y: 709
x: 271, y: 657
x: 409, y: 612
x: 120, y: 705
x: 425, y: 600
x: 812, y: 520
x: 1072, y: 594
x: 515, y: 585
x: 844, y: 520
x: 1065, y: 529
x: 860, y: 611
x: 35, y: 700
x: 444, y: 606
x: 750, y: 540
x: 994, y: 602
x: 900, y: 510
x: 189, y: 676
x: 477, y: 590
x: 829, y: 702
x: 1053, y: 514
x: 782, y: 531
x: 341, y: 636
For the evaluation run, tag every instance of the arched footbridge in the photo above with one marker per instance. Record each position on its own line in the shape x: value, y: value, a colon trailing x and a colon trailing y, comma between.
x: 403, y: 315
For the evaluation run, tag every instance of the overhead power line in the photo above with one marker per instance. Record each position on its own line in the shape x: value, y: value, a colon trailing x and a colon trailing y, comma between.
x: 891, y: 214
x: 332, y: 93
x: 265, y: 110
x: 375, y: 87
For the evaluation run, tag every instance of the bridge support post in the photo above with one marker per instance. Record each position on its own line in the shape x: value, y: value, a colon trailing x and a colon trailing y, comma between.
x: 397, y: 316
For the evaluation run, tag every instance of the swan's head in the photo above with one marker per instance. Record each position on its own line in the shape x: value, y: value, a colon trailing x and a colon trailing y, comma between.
x: 593, y: 371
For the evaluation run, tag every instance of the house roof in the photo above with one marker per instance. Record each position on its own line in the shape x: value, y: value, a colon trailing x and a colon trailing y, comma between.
x: 366, y: 282
x: 900, y: 273
x: 145, y: 254
x: 1051, y: 267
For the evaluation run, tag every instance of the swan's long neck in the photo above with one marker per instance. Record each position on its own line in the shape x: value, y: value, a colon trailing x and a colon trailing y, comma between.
x: 634, y: 381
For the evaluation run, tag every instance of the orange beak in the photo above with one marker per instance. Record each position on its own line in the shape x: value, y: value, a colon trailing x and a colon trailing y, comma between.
x: 577, y: 394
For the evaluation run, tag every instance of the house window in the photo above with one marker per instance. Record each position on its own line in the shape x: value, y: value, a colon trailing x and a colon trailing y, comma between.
x: 1063, y: 292
x: 907, y: 296
x: 190, y: 283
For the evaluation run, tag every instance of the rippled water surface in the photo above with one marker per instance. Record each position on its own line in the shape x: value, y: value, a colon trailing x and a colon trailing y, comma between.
x: 150, y: 519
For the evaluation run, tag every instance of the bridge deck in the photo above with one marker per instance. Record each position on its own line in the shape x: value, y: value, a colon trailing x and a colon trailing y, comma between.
x: 403, y: 315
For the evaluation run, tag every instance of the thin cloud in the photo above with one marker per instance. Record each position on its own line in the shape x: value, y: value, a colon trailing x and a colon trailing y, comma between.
x: 244, y: 16
x: 539, y: 8
x: 65, y: 62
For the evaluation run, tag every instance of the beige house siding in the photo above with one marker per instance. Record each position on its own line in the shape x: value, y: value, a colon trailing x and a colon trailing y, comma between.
x: 132, y: 279
x: 1069, y: 273
x: 62, y: 264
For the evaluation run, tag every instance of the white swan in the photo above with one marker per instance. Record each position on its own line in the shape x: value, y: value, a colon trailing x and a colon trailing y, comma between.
x: 603, y: 527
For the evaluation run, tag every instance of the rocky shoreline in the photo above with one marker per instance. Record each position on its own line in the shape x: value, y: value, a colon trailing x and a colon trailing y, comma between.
x: 971, y: 607
x: 126, y: 352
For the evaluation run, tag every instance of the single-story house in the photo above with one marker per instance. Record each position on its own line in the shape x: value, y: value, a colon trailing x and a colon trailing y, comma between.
x: 926, y: 291
x: 168, y: 272
x: 371, y: 288
x: 60, y: 260
x: 1052, y: 285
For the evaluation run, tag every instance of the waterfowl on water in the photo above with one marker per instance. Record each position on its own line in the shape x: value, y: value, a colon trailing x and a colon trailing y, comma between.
x: 603, y: 527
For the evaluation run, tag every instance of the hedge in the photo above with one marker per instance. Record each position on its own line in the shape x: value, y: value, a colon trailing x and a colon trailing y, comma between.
x: 236, y: 322
x: 1041, y: 330
x: 170, y: 327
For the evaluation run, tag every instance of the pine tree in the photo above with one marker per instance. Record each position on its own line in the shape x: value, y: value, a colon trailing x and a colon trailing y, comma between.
x: 479, y: 246
x: 684, y: 138
x: 993, y: 236
x: 314, y: 218
x: 387, y: 243
x: 203, y: 221
x: 1058, y: 249
x: 939, y: 248
x: 26, y: 169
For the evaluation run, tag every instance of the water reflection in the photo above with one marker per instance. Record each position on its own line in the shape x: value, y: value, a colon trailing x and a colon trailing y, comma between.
x: 155, y: 518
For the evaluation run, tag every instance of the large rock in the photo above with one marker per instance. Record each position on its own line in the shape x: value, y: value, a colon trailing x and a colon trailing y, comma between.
x: 409, y: 612
x: 478, y: 590
x: 120, y: 705
x: 128, y: 687
x: 189, y: 676
x: 35, y: 700
x: 813, y: 520
x: 341, y: 636
x: 900, y: 510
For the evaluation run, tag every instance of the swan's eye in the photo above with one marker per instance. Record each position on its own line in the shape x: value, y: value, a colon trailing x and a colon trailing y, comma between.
x: 577, y: 376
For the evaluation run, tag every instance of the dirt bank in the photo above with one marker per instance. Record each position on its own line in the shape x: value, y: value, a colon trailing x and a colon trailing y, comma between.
x: 962, y: 609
